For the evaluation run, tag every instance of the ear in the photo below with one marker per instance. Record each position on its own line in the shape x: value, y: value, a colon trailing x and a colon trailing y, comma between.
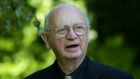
x: 45, y: 39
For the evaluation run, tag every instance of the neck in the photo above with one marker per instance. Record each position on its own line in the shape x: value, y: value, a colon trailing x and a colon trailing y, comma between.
x: 70, y: 65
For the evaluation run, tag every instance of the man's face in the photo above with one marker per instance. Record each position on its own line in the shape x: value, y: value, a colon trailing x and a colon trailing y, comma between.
x: 67, y: 44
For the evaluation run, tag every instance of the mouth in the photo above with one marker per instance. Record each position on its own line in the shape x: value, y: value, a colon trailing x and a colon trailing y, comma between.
x: 72, y: 46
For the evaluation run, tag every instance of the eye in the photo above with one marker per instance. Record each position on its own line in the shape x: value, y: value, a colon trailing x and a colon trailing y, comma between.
x: 61, y: 30
x: 79, y: 27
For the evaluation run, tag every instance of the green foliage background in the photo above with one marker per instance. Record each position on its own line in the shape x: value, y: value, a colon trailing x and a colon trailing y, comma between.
x: 114, y: 36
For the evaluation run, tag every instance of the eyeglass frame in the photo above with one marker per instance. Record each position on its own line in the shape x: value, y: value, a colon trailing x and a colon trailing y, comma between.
x: 67, y: 29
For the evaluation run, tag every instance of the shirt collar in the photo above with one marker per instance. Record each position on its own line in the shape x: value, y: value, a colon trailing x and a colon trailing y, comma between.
x: 77, y: 74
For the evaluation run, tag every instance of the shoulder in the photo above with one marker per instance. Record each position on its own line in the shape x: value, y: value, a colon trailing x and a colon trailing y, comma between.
x: 106, y: 72
x: 42, y: 74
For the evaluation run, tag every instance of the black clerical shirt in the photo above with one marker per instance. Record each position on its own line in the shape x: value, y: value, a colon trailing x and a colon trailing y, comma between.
x: 77, y: 74
x: 88, y: 69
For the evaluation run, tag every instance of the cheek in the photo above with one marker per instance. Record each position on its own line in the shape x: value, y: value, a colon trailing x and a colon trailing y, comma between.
x: 59, y: 43
x: 56, y: 42
x: 84, y: 39
x: 84, y: 42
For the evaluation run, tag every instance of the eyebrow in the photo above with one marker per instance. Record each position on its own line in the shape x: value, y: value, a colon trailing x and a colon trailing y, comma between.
x: 70, y: 25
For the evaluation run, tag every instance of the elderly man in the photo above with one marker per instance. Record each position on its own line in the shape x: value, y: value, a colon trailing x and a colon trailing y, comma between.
x: 66, y: 33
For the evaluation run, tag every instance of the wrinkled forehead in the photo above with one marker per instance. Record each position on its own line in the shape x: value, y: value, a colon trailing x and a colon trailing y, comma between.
x: 65, y: 15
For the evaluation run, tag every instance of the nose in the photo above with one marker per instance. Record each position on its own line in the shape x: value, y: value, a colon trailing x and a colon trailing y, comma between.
x: 71, y: 35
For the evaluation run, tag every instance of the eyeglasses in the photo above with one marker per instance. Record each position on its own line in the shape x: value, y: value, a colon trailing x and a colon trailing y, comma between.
x: 79, y: 29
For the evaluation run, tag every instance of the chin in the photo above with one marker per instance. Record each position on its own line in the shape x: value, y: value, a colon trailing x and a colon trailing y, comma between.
x: 75, y: 56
